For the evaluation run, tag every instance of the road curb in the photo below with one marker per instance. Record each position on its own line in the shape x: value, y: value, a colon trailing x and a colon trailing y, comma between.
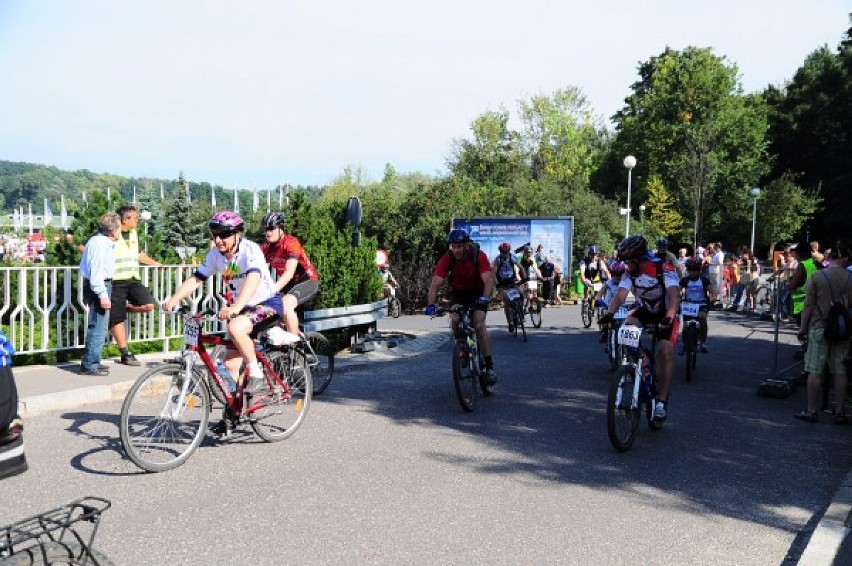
x: 832, y: 529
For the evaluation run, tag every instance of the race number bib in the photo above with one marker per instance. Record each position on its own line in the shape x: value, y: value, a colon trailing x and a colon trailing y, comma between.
x: 689, y: 309
x: 513, y: 294
x: 629, y: 336
x: 191, y: 331
x: 597, y: 287
x: 621, y: 313
x: 533, y: 285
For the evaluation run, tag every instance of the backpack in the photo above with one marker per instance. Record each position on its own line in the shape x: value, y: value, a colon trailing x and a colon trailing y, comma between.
x: 503, y: 276
x: 838, y: 326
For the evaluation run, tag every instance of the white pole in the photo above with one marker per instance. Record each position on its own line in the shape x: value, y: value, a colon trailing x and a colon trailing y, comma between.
x: 753, y: 224
x: 630, y: 163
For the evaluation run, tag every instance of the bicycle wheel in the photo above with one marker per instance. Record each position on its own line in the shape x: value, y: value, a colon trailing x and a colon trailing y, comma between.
x: 483, y: 382
x: 164, y: 417
x: 396, y: 308
x: 512, y: 322
x: 519, y: 319
x: 463, y: 378
x: 321, y: 362
x: 277, y: 412
x: 613, y: 349
x: 53, y: 552
x: 622, y: 411
x: 587, y: 313
x: 689, y: 347
x: 535, y: 313
x: 762, y: 297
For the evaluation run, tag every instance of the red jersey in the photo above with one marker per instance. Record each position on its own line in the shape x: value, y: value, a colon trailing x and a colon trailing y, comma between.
x: 285, y: 249
x: 467, y: 274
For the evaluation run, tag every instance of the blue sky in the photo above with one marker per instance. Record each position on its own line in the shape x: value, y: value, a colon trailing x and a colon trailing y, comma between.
x: 257, y: 93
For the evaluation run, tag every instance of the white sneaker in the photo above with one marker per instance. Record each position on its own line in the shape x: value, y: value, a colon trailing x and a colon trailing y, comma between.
x: 660, y: 413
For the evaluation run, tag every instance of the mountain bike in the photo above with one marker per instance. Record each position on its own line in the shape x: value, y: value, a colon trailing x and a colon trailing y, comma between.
x: 532, y: 305
x: 611, y: 349
x: 633, y: 389
x: 165, y: 413
x: 588, y: 309
x: 60, y: 536
x: 468, y: 361
x: 691, y: 329
x: 516, y: 312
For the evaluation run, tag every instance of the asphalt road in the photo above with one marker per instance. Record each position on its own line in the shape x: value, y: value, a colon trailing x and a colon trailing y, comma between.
x: 387, y: 469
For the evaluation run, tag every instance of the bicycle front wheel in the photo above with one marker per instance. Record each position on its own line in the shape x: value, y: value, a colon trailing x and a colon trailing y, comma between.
x: 535, y: 313
x: 54, y: 552
x: 613, y: 349
x: 519, y: 320
x: 586, y: 312
x: 623, y: 410
x: 463, y: 378
x: 164, y: 417
x: 276, y: 412
x: 321, y: 362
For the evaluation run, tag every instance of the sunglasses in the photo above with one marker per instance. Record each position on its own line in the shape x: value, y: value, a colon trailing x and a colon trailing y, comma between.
x: 222, y: 234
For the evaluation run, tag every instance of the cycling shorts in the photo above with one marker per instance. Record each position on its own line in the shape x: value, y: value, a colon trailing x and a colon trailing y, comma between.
x: 646, y: 317
x: 469, y: 298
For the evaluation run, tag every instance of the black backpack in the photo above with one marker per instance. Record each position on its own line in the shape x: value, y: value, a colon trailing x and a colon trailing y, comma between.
x: 837, y: 321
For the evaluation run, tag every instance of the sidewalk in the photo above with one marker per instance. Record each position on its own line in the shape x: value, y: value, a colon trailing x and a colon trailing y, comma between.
x: 44, y: 389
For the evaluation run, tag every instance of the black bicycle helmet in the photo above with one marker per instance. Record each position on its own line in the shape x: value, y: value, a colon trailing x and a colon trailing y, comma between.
x: 693, y: 264
x: 458, y: 236
x: 662, y: 243
x: 272, y: 220
x: 593, y: 250
x: 632, y: 247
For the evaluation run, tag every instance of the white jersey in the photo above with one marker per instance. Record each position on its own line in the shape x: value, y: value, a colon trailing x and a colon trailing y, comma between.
x: 610, y: 287
x: 248, y: 259
x: 646, y: 287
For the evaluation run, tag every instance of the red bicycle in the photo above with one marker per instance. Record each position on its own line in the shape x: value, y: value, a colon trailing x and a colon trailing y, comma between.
x: 165, y: 413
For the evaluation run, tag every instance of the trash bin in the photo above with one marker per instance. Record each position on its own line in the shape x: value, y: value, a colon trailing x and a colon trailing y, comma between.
x: 578, y: 284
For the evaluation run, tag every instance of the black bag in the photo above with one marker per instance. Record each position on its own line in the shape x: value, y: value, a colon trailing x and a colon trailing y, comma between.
x: 776, y: 388
x: 837, y: 321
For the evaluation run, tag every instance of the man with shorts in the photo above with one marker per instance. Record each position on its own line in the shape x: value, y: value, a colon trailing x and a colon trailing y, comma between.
x: 298, y: 280
x: 825, y: 286
x: 508, y: 273
x: 655, y: 285
x: 128, y: 292
x: 471, y: 283
x: 250, y: 295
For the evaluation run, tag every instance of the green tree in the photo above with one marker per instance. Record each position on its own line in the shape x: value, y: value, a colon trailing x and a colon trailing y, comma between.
x: 783, y: 209
x: 663, y: 218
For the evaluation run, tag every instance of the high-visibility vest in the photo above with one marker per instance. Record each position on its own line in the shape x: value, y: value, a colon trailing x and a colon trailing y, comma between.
x: 798, y: 295
x: 127, y: 257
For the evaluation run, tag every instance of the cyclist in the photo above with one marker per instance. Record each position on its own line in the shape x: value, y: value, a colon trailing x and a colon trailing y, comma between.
x: 593, y: 270
x: 655, y: 285
x: 298, y: 280
x: 529, y: 264
x: 664, y: 254
x: 471, y: 283
x: 608, y: 291
x: 250, y: 294
x: 508, y: 272
x: 389, y: 282
x: 696, y: 288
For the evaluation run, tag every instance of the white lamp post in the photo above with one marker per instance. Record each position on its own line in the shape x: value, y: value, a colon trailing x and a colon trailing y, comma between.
x: 145, y: 216
x: 630, y: 163
x: 755, y: 192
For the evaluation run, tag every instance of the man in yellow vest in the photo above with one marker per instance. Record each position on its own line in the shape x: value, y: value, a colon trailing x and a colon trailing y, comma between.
x: 128, y: 292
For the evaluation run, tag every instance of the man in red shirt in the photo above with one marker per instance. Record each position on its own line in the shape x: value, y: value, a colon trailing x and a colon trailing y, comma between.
x: 298, y: 280
x: 471, y: 284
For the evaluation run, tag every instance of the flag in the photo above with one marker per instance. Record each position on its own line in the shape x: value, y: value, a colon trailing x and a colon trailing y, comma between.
x: 109, y: 195
x: 63, y: 213
x: 213, y: 198
x: 48, y: 214
x: 162, y: 194
x: 236, y: 201
x: 135, y: 202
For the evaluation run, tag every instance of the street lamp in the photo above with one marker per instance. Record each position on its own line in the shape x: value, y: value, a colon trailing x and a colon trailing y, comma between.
x: 755, y: 192
x: 630, y: 163
x: 145, y: 216
x: 642, y: 213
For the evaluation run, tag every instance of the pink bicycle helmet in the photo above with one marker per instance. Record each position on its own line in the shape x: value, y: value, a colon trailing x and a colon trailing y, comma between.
x: 226, y: 220
x: 617, y: 268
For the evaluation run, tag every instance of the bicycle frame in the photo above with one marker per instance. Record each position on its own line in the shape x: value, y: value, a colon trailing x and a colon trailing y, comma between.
x: 632, y: 357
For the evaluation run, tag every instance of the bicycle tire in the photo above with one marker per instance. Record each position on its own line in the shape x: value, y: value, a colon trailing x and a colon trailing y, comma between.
x: 523, y: 326
x: 762, y: 297
x: 55, y: 552
x: 587, y: 313
x: 394, y: 308
x: 464, y: 381
x: 322, y: 369
x: 649, y: 413
x: 690, y: 348
x: 513, y: 324
x: 276, y: 412
x: 152, y: 424
x: 483, y: 382
x: 622, y: 418
x: 612, y: 339
x: 535, y: 313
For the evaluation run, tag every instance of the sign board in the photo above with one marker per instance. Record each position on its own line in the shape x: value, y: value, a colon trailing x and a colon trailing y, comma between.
x: 555, y: 235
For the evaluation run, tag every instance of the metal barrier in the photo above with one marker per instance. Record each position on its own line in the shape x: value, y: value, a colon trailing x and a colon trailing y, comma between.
x: 43, y: 311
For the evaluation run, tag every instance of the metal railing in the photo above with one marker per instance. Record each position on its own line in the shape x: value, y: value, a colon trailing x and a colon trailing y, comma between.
x: 43, y: 310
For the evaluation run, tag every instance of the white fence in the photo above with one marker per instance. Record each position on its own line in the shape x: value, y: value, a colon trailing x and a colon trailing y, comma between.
x: 43, y: 309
